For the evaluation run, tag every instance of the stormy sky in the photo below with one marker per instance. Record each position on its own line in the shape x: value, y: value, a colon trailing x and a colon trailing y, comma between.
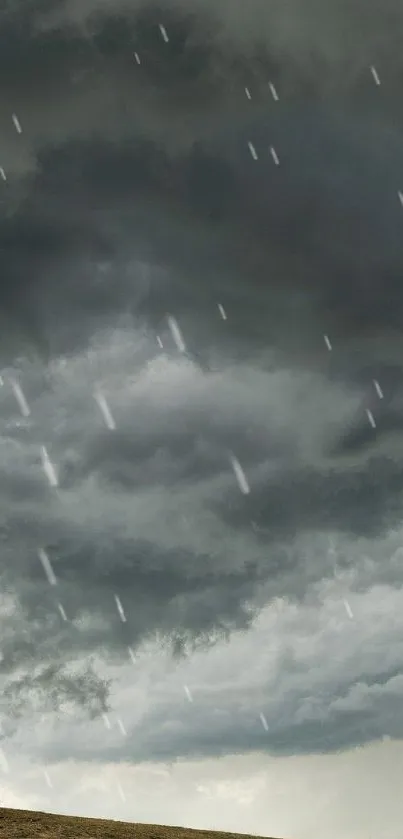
x: 201, y: 413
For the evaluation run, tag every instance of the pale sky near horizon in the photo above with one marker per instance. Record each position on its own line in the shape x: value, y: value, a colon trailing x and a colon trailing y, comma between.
x: 201, y: 413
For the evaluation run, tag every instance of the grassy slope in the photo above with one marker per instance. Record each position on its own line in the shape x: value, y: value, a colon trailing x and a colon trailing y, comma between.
x: 24, y: 824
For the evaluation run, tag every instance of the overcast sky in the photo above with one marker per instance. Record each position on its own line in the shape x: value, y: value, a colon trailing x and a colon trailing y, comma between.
x: 201, y: 413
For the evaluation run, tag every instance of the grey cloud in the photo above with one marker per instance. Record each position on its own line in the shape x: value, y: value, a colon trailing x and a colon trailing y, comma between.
x: 334, y: 31
x: 322, y: 679
x: 51, y: 688
x: 111, y: 219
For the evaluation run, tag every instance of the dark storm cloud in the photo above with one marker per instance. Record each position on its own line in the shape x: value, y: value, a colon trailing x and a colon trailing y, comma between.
x: 50, y: 687
x: 131, y: 194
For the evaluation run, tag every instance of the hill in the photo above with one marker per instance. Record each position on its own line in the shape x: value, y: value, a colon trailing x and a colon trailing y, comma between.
x: 27, y: 824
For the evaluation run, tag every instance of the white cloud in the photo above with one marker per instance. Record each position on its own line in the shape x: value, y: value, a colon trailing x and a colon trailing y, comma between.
x: 353, y: 794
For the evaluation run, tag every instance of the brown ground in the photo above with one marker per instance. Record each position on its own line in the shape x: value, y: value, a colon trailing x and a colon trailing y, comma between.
x: 24, y: 824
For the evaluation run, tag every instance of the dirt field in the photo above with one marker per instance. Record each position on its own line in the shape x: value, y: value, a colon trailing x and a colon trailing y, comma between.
x: 24, y: 824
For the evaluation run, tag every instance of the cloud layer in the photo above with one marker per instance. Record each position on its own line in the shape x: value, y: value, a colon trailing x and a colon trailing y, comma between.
x: 131, y: 208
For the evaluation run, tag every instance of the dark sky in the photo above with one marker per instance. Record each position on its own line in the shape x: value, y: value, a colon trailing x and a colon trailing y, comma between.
x: 201, y: 314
